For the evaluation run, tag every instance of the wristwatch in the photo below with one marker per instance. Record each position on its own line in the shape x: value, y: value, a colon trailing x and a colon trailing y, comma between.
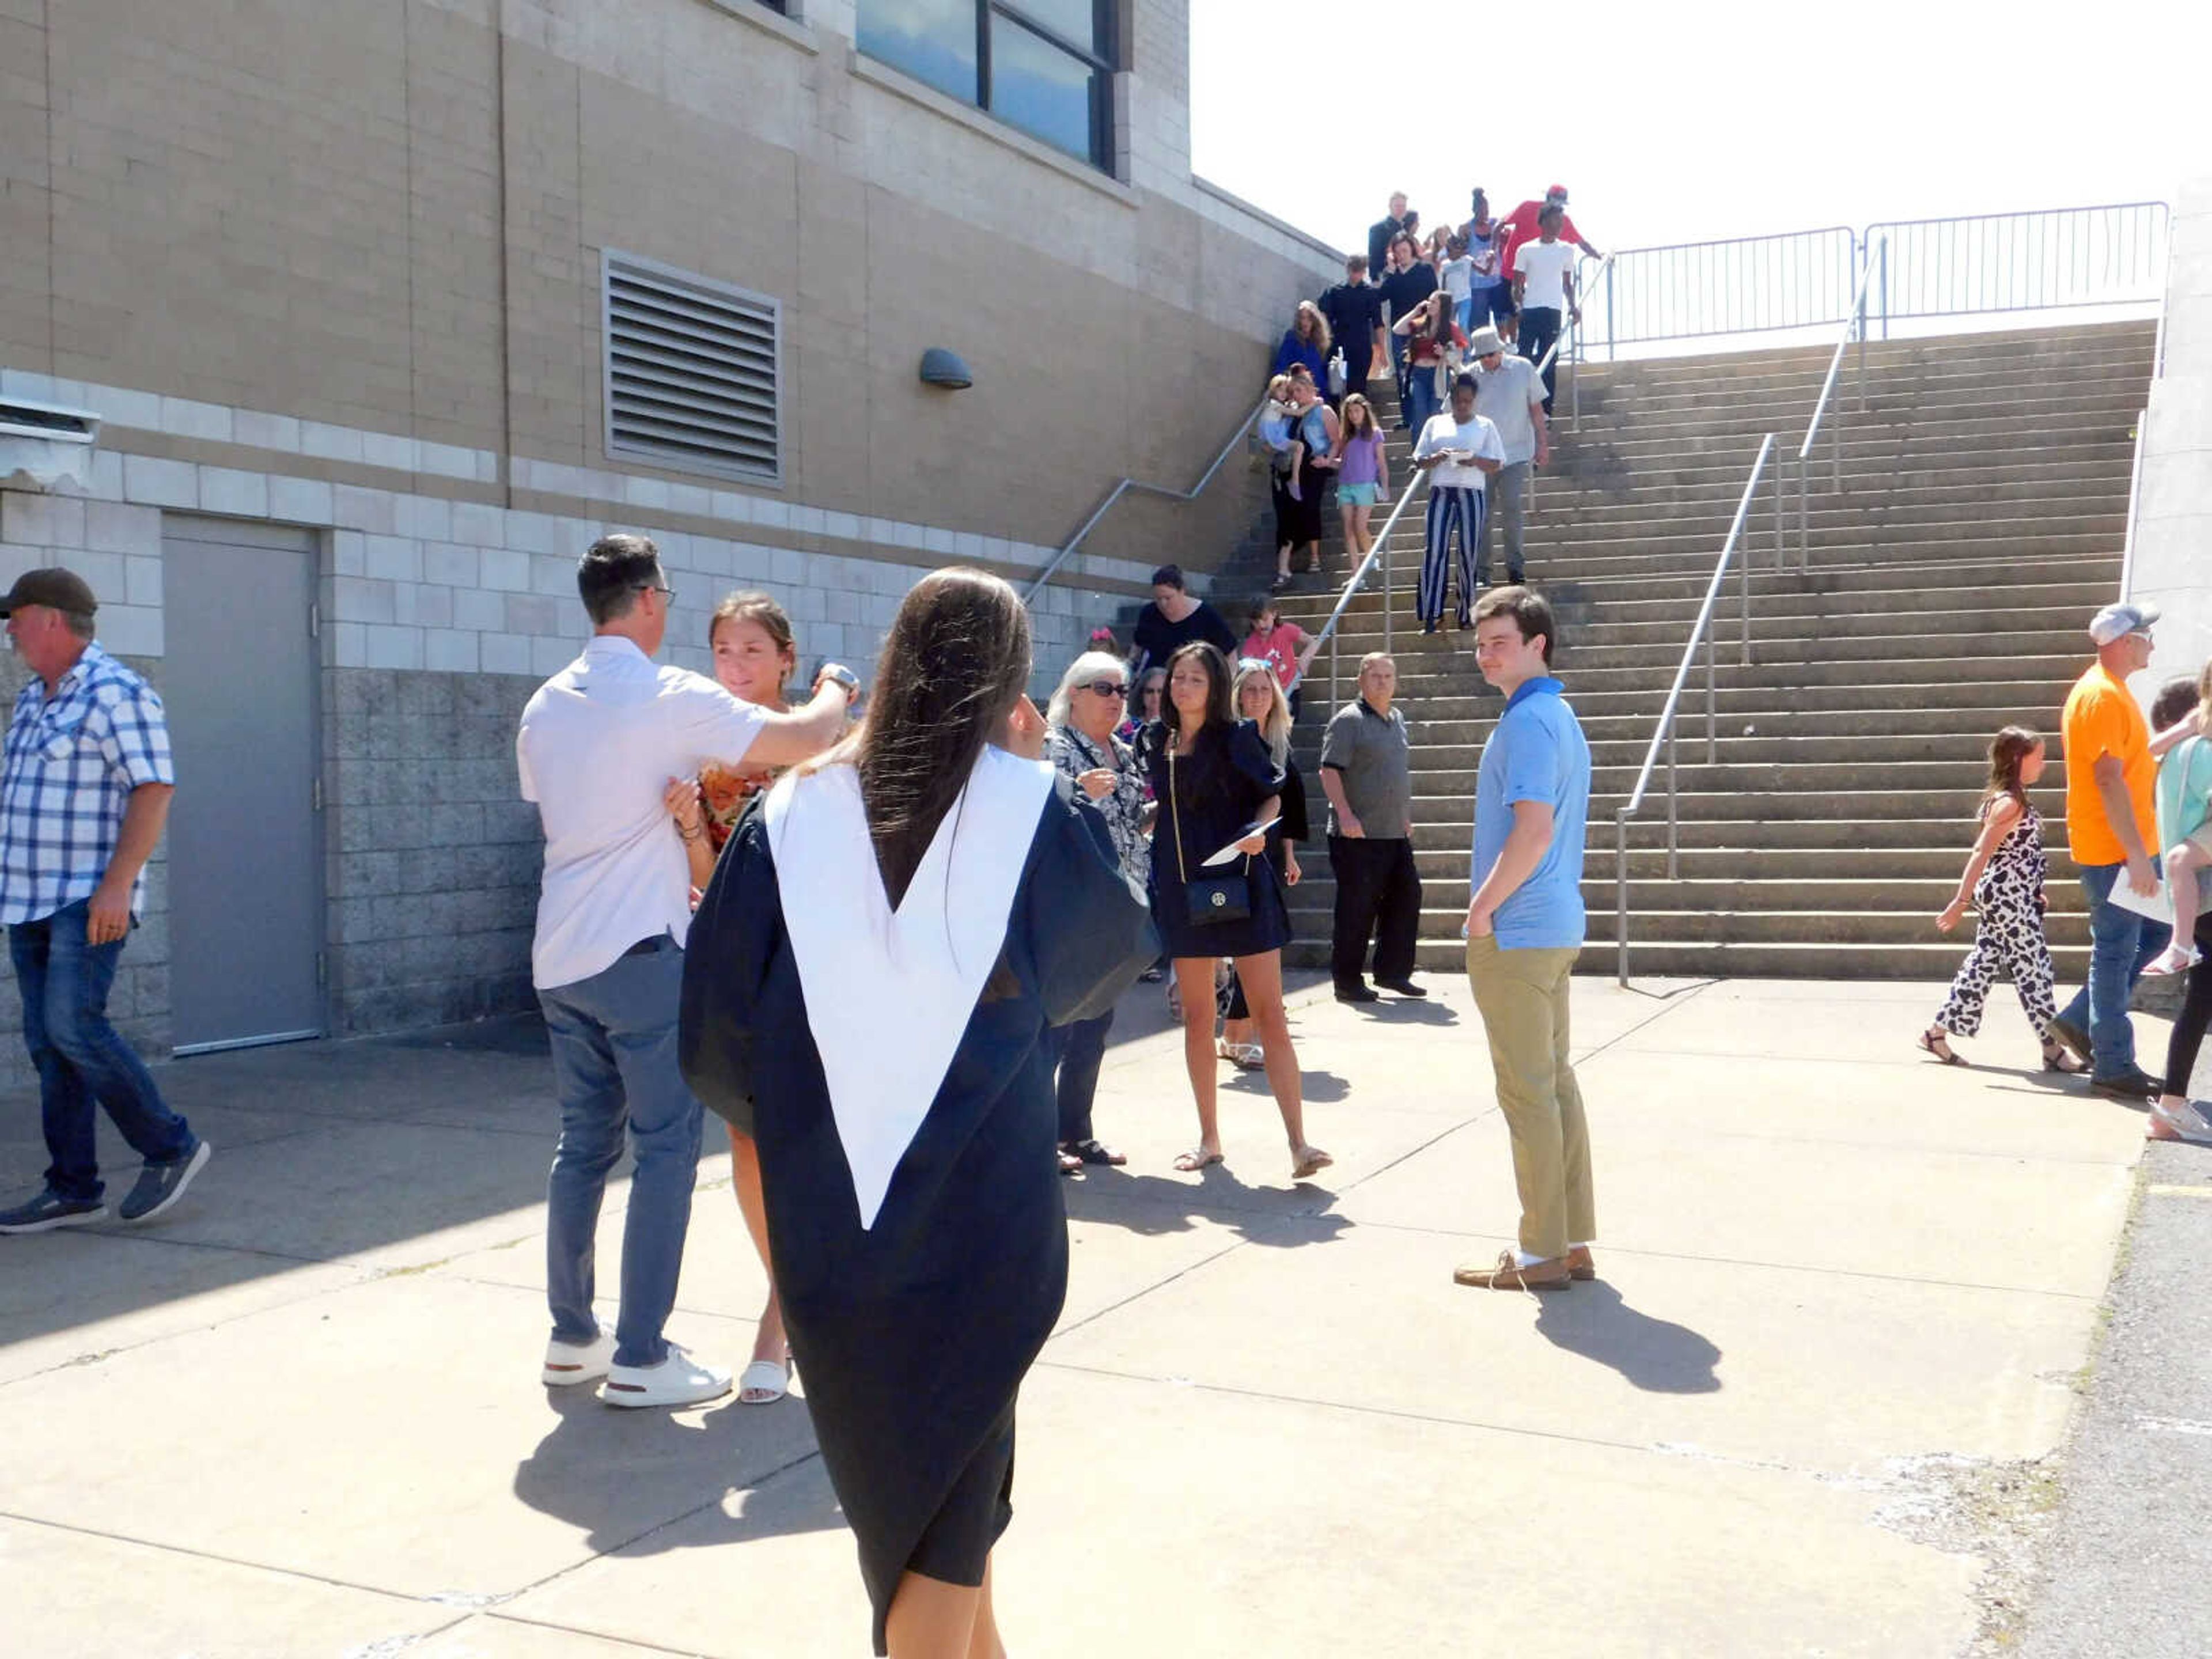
x: 837, y: 674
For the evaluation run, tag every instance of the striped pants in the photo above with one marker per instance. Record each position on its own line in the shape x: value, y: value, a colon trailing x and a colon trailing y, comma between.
x: 1453, y: 509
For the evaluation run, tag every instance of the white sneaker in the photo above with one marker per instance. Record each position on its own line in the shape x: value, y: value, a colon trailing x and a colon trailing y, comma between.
x: 570, y: 1363
x: 678, y: 1380
x: 2182, y: 1122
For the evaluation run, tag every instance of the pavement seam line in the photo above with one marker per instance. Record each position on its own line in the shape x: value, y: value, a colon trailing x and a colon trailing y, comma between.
x: 1652, y: 1448
x: 300, y: 1573
x: 1230, y: 1249
x: 588, y: 1634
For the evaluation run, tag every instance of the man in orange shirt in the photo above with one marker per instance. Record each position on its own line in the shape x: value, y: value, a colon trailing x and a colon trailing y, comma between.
x: 2109, y: 830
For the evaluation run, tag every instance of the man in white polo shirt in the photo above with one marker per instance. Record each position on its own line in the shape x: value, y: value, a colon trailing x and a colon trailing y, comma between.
x: 600, y: 742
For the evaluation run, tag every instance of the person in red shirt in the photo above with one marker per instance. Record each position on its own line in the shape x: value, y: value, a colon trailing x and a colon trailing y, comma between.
x: 1520, y: 226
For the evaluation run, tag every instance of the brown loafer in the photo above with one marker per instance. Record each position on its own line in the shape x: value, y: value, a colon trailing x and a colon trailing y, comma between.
x: 1581, y: 1265
x: 1507, y: 1275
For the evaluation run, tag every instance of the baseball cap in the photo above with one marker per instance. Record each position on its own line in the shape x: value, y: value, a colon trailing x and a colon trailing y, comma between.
x: 1559, y: 191
x: 2113, y: 622
x: 63, y: 590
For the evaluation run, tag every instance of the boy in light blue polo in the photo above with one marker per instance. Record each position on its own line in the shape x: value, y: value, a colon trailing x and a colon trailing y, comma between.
x: 1524, y: 930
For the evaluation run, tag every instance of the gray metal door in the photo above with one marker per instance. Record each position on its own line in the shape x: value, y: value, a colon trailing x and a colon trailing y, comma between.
x: 239, y: 683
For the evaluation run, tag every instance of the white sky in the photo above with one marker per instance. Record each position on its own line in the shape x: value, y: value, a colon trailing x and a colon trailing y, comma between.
x: 1701, y: 119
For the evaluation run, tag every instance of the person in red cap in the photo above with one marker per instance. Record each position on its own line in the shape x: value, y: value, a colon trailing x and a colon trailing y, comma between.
x: 1521, y: 226
x: 84, y: 790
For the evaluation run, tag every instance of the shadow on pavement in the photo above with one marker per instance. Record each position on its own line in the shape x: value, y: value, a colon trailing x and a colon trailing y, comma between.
x: 1656, y: 1355
x: 1278, y: 1218
x: 597, y: 1463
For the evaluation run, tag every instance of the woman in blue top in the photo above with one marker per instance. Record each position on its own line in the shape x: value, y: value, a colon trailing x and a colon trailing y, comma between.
x: 1305, y: 341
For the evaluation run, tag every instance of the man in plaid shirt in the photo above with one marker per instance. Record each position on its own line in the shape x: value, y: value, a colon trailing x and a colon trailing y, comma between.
x: 84, y: 790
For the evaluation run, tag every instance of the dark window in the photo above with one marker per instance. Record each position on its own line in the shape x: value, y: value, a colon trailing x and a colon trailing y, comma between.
x: 1045, y: 66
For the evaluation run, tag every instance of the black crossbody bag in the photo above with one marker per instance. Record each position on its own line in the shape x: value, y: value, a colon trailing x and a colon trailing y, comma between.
x: 1210, y: 899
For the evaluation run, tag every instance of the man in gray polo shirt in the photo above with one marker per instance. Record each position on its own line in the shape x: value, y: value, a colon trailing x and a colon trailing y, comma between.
x: 1367, y: 772
x: 1508, y: 394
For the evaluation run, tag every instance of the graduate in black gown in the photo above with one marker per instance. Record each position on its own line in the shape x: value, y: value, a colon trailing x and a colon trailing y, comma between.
x: 867, y: 991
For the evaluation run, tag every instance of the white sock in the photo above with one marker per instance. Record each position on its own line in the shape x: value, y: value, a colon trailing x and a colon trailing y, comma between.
x: 1584, y: 1245
x: 1523, y: 1259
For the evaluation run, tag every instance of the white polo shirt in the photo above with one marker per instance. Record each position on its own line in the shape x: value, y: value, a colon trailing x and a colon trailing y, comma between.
x: 598, y: 744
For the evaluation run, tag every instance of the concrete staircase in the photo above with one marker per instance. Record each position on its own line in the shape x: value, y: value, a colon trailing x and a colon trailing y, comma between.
x: 1980, y: 524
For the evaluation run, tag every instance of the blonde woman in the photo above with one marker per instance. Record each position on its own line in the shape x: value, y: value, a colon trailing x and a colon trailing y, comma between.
x: 1306, y: 341
x: 755, y: 657
x: 1258, y: 695
x: 1080, y: 742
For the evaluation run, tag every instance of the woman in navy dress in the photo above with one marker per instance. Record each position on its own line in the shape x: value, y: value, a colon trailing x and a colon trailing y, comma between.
x: 866, y: 990
x: 1213, y: 774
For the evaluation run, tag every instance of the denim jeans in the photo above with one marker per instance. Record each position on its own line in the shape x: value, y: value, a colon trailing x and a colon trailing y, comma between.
x: 1421, y: 401
x: 614, y: 1068
x: 81, y: 1058
x: 2120, y: 943
x: 1398, y: 370
x: 1078, y: 1049
x: 1540, y: 326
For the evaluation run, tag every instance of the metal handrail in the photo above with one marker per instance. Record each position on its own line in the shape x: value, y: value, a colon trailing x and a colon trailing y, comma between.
x: 2044, y: 259
x: 1668, y: 733
x: 1378, y: 554
x: 1037, y: 584
x: 1572, y: 331
x: 1855, y: 327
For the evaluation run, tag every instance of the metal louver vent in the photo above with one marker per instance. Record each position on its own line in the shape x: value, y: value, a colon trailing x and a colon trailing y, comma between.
x: 692, y: 371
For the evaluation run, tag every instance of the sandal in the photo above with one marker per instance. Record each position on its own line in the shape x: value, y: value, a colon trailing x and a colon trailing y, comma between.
x: 1934, y: 1042
x: 1196, y: 1159
x: 1310, y: 1161
x: 2057, y: 1057
x: 762, y: 1383
x: 2176, y: 958
x: 1095, y: 1151
x: 1069, y: 1164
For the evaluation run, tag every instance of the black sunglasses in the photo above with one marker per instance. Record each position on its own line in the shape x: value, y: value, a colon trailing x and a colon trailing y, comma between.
x: 1106, y: 688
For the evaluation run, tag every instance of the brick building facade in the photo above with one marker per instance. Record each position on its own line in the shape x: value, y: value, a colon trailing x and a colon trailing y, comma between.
x: 332, y: 271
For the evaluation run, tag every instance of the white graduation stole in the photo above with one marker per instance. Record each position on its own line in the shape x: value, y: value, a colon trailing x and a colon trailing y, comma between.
x: 890, y: 993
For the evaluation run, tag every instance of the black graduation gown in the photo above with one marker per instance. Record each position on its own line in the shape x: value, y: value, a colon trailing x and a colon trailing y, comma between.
x: 914, y: 1335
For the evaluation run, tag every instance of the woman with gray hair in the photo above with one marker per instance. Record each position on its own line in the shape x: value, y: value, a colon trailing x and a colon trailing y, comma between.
x: 1081, y: 741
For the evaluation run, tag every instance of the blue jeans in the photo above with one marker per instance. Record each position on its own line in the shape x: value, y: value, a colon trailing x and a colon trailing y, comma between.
x: 614, y: 1068
x: 81, y: 1058
x: 1421, y: 400
x: 2120, y: 943
x: 1078, y: 1050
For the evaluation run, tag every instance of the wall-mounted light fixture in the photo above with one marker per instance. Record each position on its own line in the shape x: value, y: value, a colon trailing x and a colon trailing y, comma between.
x: 945, y: 368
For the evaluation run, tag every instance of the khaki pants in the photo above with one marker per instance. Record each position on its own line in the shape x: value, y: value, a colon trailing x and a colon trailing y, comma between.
x: 1522, y: 995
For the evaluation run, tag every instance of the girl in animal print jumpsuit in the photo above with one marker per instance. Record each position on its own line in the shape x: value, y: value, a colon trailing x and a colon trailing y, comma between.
x: 2003, y: 881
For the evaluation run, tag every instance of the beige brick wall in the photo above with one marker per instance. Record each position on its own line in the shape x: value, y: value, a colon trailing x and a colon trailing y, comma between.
x: 384, y: 214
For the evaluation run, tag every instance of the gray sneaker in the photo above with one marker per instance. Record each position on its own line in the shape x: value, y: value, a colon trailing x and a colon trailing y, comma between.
x: 161, y: 1185
x: 49, y: 1210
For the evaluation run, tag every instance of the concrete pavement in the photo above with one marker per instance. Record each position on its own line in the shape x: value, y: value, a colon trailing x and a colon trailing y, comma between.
x: 1848, y: 1295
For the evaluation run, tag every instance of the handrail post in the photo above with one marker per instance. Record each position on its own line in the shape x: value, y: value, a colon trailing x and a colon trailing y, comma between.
x: 1674, y: 743
x: 1744, y: 576
x: 1385, y: 550
x: 1781, y: 472
x: 1884, y: 259
x: 1620, y: 890
x: 1712, y: 697
x: 1804, y: 557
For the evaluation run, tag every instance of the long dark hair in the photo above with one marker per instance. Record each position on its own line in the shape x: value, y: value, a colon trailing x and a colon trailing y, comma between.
x: 955, y: 661
x: 2008, y: 751
x: 1219, y: 709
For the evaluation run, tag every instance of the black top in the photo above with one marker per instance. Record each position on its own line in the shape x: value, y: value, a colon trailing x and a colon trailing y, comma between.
x: 1380, y: 236
x: 914, y: 1335
x: 1158, y: 638
x: 1404, y: 289
x: 1354, y: 311
x: 1294, y: 826
x: 1219, y: 788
